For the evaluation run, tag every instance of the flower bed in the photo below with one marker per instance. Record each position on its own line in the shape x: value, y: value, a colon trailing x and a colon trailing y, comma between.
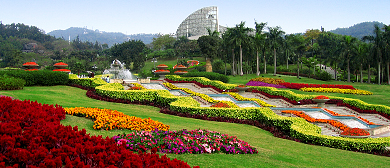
x: 337, y: 90
x: 268, y: 80
x: 305, y: 85
x: 111, y: 119
x: 240, y: 98
x: 183, y: 141
x: 32, y: 136
x: 355, y: 132
x: 258, y: 83
x: 220, y: 105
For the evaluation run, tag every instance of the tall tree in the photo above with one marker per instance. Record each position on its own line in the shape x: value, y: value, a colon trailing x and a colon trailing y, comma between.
x: 348, y: 53
x: 239, y: 36
x: 209, y: 46
x: 275, y: 39
x: 377, y: 47
x: 260, y: 43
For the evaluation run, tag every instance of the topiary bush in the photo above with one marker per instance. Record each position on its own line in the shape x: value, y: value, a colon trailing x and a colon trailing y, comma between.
x: 209, y: 75
x: 11, y: 83
x: 39, y: 78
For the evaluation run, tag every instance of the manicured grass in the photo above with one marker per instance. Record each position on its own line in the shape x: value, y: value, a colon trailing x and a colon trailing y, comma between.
x: 273, y: 152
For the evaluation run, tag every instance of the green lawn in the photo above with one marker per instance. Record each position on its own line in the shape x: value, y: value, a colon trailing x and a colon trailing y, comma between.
x: 273, y: 152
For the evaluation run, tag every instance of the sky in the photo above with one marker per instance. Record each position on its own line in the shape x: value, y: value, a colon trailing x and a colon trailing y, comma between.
x: 164, y: 16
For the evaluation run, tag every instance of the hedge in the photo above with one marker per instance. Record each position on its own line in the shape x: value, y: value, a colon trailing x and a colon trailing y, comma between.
x: 11, y: 83
x: 39, y: 78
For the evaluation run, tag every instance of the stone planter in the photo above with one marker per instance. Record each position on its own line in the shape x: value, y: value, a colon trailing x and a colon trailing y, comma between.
x: 242, y: 89
x: 320, y: 102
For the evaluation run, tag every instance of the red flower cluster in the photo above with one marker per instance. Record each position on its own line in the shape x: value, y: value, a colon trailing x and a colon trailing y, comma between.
x: 305, y: 85
x: 321, y: 97
x: 181, y: 71
x: 162, y: 70
x: 220, y: 105
x: 30, y: 64
x: 31, y: 136
x: 134, y: 88
x: 162, y: 65
x: 355, y: 132
x: 31, y: 70
x: 62, y: 70
x: 241, y: 86
x: 60, y: 63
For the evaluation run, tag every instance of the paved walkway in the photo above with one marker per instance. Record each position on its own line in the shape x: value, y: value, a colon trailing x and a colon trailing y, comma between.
x: 326, y: 129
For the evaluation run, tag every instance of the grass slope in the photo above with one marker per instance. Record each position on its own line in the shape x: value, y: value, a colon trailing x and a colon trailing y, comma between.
x: 273, y: 152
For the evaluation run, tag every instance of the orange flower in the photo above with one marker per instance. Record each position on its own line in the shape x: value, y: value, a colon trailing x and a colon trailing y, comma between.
x: 321, y: 97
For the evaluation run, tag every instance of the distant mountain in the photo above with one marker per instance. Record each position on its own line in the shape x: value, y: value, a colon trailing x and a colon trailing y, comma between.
x: 100, y: 36
x: 358, y: 30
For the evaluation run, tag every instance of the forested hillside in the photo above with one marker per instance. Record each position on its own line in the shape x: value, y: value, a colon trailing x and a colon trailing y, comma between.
x: 358, y: 30
x: 102, y: 37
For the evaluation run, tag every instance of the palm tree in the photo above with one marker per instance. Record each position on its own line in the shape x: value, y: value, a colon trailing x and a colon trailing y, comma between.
x: 362, y: 57
x: 239, y: 36
x: 260, y: 43
x: 377, y: 40
x: 349, y: 49
x: 275, y: 37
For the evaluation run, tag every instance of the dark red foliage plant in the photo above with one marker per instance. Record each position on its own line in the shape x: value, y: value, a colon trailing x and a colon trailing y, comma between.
x: 32, y: 136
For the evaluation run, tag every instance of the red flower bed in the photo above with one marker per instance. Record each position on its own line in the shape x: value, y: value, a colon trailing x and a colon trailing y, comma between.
x: 162, y: 70
x: 355, y: 132
x: 220, y: 105
x: 30, y: 64
x: 321, y: 97
x: 60, y: 63
x: 162, y: 65
x: 241, y: 86
x: 32, y: 136
x: 62, y: 70
x: 302, y: 85
x: 31, y: 70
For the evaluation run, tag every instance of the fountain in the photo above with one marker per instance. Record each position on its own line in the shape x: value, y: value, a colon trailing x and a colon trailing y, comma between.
x: 120, y: 72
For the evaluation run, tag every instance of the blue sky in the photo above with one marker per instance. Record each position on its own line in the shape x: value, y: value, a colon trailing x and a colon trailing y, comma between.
x: 157, y: 16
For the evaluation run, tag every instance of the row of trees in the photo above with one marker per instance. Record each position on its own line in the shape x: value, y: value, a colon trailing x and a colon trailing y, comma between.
x: 313, y: 47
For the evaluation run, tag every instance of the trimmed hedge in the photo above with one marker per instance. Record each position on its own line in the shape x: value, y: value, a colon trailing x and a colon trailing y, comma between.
x: 208, y: 75
x: 292, y: 126
x: 39, y: 78
x: 11, y: 83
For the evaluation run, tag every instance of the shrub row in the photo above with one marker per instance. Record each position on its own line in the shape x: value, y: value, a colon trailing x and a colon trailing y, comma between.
x: 295, y: 127
x: 208, y: 75
x: 39, y: 78
x: 337, y: 90
x: 305, y: 85
x: 11, y: 83
x: 201, y: 81
x: 32, y: 136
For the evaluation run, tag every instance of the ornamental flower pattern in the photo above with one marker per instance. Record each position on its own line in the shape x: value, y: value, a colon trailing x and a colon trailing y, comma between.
x: 184, y: 141
x: 355, y: 132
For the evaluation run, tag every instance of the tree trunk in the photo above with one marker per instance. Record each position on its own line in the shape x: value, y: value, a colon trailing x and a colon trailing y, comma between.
x: 241, y: 73
x: 274, y: 61
x: 361, y: 73
x: 233, y: 70
x: 349, y: 71
x: 335, y: 71
x: 287, y: 58
x: 226, y: 63
x: 298, y: 68
x: 209, y: 67
x: 265, y: 63
x: 388, y: 74
x: 257, y: 63
x: 369, y: 74
x: 379, y: 73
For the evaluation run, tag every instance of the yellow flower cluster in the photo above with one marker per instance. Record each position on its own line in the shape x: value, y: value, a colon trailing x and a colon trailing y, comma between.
x: 138, y: 85
x: 337, y: 90
x: 240, y: 98
x: 203, y: 96
x: 268, y: 80
x: 111, y: 119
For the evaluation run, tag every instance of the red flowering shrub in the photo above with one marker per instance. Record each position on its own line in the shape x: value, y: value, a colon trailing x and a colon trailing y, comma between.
x: 162, y: 70
x: 305, y: 85
x: 355, y: 132
x: 31, y: 136
x: 241, y: 86
x: 321, y: 97
x: 220, y: 105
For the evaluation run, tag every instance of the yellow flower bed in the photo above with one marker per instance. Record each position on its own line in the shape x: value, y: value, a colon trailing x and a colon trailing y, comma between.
x: 111, y: 119
x: 240, y: 98
x: 268, y: 80
x: 337, y: 90
x: 138, y: 85
x: 203, y: 96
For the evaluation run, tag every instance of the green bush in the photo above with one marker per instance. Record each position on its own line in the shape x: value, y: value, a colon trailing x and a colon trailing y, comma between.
x: 209, y: 75
x: 39, y: 78
x: 323, y: 75
x: 11, y: 83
